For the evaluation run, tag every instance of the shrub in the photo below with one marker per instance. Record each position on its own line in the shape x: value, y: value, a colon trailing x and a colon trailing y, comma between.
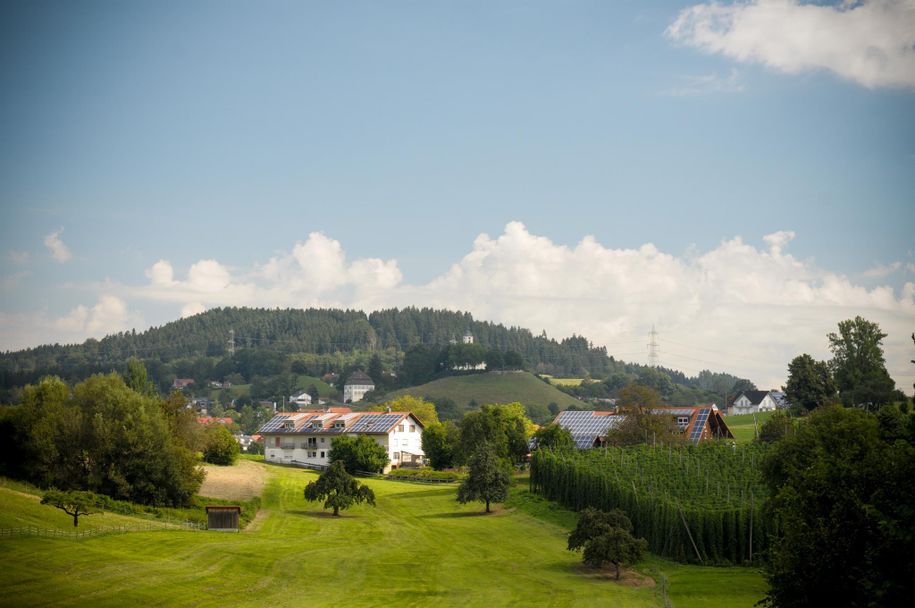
x: 221, y: 447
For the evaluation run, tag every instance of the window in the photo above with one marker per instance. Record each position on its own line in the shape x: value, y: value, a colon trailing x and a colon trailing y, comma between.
x: 395, y: 456
x: 322, y: 440
x: 312, y: 454
x: 682, y: 421
x: 400, y: 429
x: 412, y: 428
x: 276, y: 442
x: 322, y: 454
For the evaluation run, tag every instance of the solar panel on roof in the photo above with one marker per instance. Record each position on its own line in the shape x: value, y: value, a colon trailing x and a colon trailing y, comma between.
x: 585, y: 427
x: 701, y: 418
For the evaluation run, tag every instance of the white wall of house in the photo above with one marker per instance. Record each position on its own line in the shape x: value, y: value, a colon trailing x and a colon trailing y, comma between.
x: 742, y: 405
x: 315, y: 449
x: 355, y: 392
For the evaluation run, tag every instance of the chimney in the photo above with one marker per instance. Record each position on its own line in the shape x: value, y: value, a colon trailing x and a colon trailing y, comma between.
x: 389, y: 409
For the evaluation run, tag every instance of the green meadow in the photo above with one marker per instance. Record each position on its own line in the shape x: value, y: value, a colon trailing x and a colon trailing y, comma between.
x: 744, y: 425
x: 418, y: 547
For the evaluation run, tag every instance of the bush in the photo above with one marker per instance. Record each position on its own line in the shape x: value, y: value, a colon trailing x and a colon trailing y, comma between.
x: 430, y: 474
x: 221, y: 447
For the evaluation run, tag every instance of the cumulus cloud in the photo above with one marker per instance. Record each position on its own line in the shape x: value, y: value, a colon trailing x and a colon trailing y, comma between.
x: 743, y: 307
x: 871, y: 42
x: 59, y: 251
x: 109, y: 315
x: 882, y: 270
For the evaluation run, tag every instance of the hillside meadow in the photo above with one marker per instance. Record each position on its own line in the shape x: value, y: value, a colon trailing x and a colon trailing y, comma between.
x: 496, y: 387
x: 417, y: 548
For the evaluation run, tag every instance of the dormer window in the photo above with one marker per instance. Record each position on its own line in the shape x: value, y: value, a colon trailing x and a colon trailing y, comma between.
x: 318, y: 424
x: 289, y: 425
x: 339, y: 425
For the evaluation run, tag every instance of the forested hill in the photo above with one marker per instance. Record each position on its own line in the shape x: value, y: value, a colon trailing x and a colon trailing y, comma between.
x: 318, y: 331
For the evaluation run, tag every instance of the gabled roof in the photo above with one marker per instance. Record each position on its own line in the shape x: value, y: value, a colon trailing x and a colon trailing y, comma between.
x: 755, y: 397
x: 588, y: 426
x: 359, y: 378
x: 780, y: 398
x: 323, y: 423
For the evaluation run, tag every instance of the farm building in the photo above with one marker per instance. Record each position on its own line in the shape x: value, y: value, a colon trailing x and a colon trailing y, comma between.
x: 223, y: 517
x: 753, y: 402
x: 307, y: 437
x: 589, y: 428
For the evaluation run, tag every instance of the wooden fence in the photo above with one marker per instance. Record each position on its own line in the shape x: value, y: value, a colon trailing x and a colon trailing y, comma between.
x: 100, y: 531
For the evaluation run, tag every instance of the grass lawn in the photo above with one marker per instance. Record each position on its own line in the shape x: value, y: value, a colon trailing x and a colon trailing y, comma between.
x: 417, y: 548
x: 743, y: 426
x: 535, y: 394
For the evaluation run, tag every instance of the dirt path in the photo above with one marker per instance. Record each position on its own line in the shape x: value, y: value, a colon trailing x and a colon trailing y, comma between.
x: 244, y: 480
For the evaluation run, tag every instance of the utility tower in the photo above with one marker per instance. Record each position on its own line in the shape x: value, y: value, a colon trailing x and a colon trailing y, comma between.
x: 231, y: 341
x: 653, y: 349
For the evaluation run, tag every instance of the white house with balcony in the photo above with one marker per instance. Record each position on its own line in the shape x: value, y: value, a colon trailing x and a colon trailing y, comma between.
x: 306, y: 438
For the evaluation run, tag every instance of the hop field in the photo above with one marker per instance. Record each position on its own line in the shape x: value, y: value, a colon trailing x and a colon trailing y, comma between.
x: 693, y: 503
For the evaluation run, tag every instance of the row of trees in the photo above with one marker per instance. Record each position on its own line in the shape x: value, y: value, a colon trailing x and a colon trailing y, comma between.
x: 103, y: 436
x: 856, y: 376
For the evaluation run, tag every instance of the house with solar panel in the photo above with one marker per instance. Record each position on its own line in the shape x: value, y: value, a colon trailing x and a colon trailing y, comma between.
x: 306, y: 438
x: 589, y: 429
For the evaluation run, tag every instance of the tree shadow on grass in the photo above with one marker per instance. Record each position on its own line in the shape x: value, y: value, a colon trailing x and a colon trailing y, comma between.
x: 423, y: 494
x: 323, y: 514
x: 457, y: 514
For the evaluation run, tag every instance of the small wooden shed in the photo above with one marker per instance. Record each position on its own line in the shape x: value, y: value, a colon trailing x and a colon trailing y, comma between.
x: 223, y: 517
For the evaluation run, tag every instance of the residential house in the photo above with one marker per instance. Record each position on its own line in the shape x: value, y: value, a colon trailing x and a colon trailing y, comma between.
x: 357, y: 385
x: 181, y: 383
x: 307, y: 437
x: 752, y: 402
x: 302, y: 398
x: 699, y: 423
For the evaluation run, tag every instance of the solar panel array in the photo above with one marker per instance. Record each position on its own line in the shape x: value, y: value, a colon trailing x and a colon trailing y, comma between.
x: 585, y: 427
x: 699, y: 425
x: 274, y: 424
x: 374, y: 423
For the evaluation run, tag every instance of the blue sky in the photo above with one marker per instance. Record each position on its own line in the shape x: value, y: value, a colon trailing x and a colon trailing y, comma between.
x: 385, y: 138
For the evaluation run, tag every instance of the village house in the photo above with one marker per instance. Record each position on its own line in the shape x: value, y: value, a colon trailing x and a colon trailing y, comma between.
x: 307, y: 437
x: 753, y: 402
x: 357, y: 385
x: 182, y: 383
x: 302, y: 398
x: 698, y: 423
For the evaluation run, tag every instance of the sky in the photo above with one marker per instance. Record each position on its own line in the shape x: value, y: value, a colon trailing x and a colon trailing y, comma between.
x: 739, y: 175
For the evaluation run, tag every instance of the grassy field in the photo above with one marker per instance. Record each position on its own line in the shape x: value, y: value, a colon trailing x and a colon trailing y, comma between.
x: 743, y: 426
x: 417, y: 548
x: 535, y: 394
x: 564, y: 381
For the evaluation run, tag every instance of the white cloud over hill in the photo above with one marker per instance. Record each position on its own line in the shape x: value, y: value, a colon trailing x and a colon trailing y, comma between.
x: 737, y: 307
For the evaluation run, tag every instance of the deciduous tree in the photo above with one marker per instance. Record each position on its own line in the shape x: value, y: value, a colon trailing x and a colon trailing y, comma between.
x: 74, y: 504
x: 338, y: 489
x: 220, y: 446
x: 488, y: 479
x: 554, y: 437
x: 860, y: 369
x: 359, y: 454
x: 810, y: 384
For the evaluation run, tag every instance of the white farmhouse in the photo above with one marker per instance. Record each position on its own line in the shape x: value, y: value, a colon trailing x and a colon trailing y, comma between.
x: 357, y: 385
x: 302, y: 398
x: 752, y: 402
x: 307, y: 437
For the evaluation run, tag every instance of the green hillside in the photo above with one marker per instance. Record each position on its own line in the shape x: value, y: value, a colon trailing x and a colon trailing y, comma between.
x: 418, y: 548
x: 524, y: 387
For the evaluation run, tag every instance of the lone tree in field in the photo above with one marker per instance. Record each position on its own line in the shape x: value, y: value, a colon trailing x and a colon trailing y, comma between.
x: 221, y: 447
x: 488, y: 480
x: 338, y: 489
x: 606, y: 538
x: 73, y: 503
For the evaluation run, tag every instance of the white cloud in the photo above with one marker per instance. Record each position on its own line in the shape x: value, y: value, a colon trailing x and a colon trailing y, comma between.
x: 739, y: 307
x: 192, y: 308
x: 108, y: 316
x: 881, y: 270
x: 869, y: 42
x: 58, y: 250
x: 707, y: 84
